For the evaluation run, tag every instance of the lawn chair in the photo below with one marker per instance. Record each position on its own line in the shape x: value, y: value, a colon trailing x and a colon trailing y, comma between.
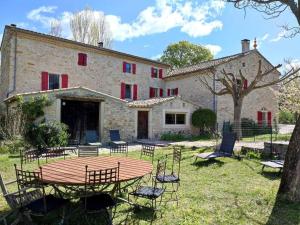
x: 173, y: 177
x: 88, y: 151
x: 225, y: 150
x: 276, y: 164
x: 116, y: 144
x: 151, y: 192
x: 148, y: 150
x: 41, y: 205
x: 55, y: 152
x: 97, y: 202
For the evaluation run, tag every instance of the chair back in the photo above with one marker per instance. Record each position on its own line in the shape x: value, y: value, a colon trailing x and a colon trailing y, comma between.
x: 55, y: 152
x: 119, y: 148
x: 176, y: 160
x: 228, y: 142
x: 160, y: 169
x: 88, y: 151
x: 114, y: 135
x: 148, y: 150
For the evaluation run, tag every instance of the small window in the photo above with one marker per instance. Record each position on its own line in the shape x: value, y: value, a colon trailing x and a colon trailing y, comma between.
x: 244, y: 64
x: 128, y: 68
x: 128, y: 91
x: 155, y: 73
x: 173, y: 92
x: 82, y: 59
x: 175, y: 119
x: 156, y: 92
x: 53, y: 81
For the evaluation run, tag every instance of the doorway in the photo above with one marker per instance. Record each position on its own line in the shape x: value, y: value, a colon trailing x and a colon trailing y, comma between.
x: 142, y: 127
x: 82, y: 119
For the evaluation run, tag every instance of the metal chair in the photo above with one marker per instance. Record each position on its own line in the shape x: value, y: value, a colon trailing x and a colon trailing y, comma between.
x: 173, y: 177
x: 151, y: 192
x: 148, y: 150
x: 29, y: 156
x: 88, y: 151
x: 42, y: 205
x: 116, y: 144
x: 96, y: 202
x: 55, y: 152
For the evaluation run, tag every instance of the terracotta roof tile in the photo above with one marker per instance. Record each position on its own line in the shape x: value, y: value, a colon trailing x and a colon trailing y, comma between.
x: 149, y: 102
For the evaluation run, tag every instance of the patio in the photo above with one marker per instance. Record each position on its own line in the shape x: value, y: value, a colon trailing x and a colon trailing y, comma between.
x: 223, y: 191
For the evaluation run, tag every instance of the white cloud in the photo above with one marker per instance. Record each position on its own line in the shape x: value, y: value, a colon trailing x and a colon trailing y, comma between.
x: 190, y: 17
x: 279, y: 36
x: 156, y: 57
x: 215, y: 49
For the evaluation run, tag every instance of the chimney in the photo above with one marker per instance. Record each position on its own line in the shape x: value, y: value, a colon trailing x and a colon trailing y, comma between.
x: 100, y: 44
x: 13, y: 25
x: 245, y: 45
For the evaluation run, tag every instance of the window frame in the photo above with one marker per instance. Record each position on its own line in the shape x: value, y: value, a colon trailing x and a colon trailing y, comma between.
x: 58, y: 81
x: 175, y: 114
x: 128, y: 67
x: 155, y: 72
x: 131, y: 91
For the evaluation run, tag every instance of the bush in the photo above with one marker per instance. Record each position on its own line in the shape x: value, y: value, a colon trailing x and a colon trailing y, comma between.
x: 173, y: 137
x: 287, y: 117
x: 13, y: 146
x: 204, y: 119
x: 49, y: 134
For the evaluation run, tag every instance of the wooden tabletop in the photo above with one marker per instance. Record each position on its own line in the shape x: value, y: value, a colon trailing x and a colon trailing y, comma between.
x: 72, y: 171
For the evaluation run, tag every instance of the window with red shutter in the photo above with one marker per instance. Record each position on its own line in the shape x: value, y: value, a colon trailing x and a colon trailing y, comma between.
x: 124, y: 67
x: 134, y: 68
x: 135, y: 92
x: 64, y: 81
x: 160, y: 73
x: 161, y: 92
x: 123, y: 90
x: 82, y: 59
x: 269, y: 119
x: 259, y: 118
x: 176, y: 91
x: 44, y: 81
x: 169, y: 92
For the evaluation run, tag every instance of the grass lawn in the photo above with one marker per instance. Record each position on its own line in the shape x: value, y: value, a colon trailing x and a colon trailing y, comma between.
x: 267, y: 137
x: 225, y: 191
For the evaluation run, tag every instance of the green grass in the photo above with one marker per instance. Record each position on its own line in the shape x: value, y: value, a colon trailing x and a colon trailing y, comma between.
x: 267, y: 137
x: 224, y: 191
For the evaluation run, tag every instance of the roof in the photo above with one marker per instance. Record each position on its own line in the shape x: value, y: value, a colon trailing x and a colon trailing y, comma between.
x: 100, y: 49
x: 60, y: 91
x: 149, y: 102
x: 205, y: 65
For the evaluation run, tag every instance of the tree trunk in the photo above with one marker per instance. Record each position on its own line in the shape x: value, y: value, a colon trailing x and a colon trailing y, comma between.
x: 237, y: 118
x: 290, y: 182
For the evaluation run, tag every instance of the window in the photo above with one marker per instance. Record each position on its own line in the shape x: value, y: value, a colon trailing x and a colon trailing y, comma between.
x: 82, y: 59
x: 175, y: 119
x: 128, y: 91
x: 53, y: 81
x: 129, y: 67
x: 154, y: 72
x: 173, y: 92
x: 154, y: 92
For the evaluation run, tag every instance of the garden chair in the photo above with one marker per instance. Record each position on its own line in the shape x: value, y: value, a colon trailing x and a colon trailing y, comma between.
x: 95, y: 202
x: 74, y: 143
x: 29, y: 155
x: 164, y: 177
x: 88, y: 151
x: 43, y: 203
x: 276, y: 164
x: 148, y: 150
x: 55, y: 152
x: 152, y: 192
x: 116, y: 144
x: 225, y: 150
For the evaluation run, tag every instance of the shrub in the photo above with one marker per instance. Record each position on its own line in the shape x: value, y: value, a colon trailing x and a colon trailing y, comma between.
x: 49, y: 134
x: 204, y: 119
x: 287, y: 117
x: 173, y: 137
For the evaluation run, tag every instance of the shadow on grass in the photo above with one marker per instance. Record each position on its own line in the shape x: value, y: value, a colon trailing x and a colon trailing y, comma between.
x: 139, y: 214
x: 14, y: 156
x: 207, y: 163
x: 284, y: 212
x: 271, y: 175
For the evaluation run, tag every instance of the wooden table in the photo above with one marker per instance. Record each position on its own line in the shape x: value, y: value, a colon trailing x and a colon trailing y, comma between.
x: 71, y: 172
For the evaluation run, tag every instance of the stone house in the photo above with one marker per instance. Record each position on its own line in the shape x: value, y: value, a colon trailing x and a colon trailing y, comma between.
x: 94, y: 89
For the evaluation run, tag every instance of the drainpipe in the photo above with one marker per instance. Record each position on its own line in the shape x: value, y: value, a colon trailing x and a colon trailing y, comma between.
x: 215, y: 99
x: 15, y: 65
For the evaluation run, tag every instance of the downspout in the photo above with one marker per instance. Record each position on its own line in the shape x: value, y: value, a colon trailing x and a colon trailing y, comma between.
x: 215, y: 100
x: 15, y: 66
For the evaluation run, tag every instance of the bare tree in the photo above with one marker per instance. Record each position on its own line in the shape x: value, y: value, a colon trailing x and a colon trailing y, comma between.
x: 232, y: 84
x: 273, y: 9
x: 91, y: 27
x: 55, y: 28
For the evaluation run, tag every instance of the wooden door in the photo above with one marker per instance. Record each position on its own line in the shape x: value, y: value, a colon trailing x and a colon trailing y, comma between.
x: 143, y: 122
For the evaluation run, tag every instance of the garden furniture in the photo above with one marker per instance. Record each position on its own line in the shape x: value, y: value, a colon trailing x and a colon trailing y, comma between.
x: 225, y: 150
x: 88, y: 151
x: 44, y: 203
x: 148, y: 150
x: 96, y: 202
x: 277, y: 164
x: 116, y: 144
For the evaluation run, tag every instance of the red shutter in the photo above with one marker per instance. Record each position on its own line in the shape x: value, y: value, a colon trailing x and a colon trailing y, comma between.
x: 135, y: 92
x: 133, y: 68
x: 245, y: 84
x: 259, y: 118
x: 160, y: 73
x: 64, y: 81
x: 84, y: 58
x: 169, y: 92
x: 151, y: 92
x: 152, y: 72
x: 176, y: 91
x: 269, y: 119
x: 44, y: 83
x: 124, y: 67
x: 122, y: 90
x: 79, y: 59
x: 161, y: 92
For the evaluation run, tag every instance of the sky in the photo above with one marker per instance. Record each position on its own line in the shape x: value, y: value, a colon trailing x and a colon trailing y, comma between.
x: 146, y: 28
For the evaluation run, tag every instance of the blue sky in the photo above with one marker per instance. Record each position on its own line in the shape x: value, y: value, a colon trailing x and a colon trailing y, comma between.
x: 145, y: 28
